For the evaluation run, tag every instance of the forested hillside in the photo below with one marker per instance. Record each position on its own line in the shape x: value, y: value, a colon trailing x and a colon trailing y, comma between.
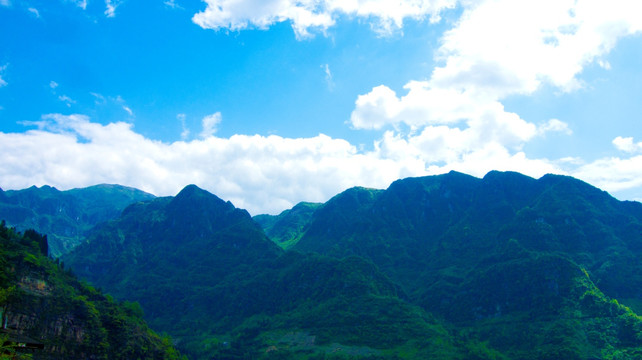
x: 205, y: 272
x: 506, y: 252
x: 447, y: 267
x: 59, y: 317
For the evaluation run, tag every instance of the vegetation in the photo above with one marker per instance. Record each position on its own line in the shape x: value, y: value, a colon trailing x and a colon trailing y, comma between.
x: 65, y: 216
x: 286, y: 228
x: 445, y: 267
x: 73, y: 320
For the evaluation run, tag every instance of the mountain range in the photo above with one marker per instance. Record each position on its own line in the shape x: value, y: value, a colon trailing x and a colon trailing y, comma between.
x: 447, y: 267
x: 65, y: 216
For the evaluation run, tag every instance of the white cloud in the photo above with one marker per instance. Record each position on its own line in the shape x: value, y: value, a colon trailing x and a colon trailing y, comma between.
x: 314, y: 14
x: 511, y: 47
x: 261, y: 174
x: 554, y: 125
x: 613, y: 174
x: 53, y: 84
x: 128, y: 110
x: 265, y: 173
x: 626, y: 144
x: 5, y: 3
x: 210, y: 122
x: 498, y: 48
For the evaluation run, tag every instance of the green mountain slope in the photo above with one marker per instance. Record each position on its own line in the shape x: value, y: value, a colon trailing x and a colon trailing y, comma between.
x: 285, y: 228
x: 445, y: 225
x: 65, y: 216
x: 70, y: 319
x: 206, y: 273
x: 446, y: 241
x: 445, y: 267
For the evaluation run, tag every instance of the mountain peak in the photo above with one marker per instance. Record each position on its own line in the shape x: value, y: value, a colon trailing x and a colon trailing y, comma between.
x: 191, y: 190
x: 194, y: 193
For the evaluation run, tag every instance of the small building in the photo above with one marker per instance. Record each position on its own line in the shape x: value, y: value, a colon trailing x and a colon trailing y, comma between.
x: 19, y: 343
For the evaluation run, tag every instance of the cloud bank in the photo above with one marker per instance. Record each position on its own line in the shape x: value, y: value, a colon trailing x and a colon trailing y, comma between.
x: 264, y: 174
x: 261, y: 174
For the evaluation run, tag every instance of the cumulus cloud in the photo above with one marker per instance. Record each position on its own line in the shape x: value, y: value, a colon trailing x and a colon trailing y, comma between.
x: 498, y: 48
x: 613, y: 174
x: 626, y: 144
x: 507, y: 47
x: 314, y: 14
x: 210, y: 123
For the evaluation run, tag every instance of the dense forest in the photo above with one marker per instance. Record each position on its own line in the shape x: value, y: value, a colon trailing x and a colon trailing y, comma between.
x: 444, y: 267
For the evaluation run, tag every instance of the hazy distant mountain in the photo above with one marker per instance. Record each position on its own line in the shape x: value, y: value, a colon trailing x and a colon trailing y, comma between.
x: 65, y: 216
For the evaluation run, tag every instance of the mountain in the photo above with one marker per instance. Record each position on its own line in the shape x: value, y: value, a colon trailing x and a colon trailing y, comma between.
x: 452, y: 221
x: 501, y: 252
x: 45, y: 307
x: 284, y: 228
x: 65, y: 216
x: 445, y: 267
x: 205, y: 272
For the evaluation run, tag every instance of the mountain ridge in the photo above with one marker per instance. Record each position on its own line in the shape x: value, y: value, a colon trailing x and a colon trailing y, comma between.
x: 195, y: 257
x: 473, y: 262
x: 65, y: 216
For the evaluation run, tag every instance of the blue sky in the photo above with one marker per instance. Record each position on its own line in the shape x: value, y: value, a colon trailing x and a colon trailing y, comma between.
x: 268, y: 103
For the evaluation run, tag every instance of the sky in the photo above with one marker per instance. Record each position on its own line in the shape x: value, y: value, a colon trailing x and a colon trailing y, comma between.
x: 267, y: 103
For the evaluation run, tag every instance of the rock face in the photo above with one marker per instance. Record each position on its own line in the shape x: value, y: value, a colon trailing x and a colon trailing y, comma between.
x: 47, y: 305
